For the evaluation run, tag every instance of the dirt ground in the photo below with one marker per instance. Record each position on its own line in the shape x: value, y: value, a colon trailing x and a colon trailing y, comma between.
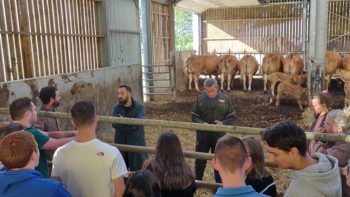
x: 252, y: 110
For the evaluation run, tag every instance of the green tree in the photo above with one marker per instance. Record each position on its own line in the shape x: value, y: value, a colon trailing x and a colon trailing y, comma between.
x: 183, y: 30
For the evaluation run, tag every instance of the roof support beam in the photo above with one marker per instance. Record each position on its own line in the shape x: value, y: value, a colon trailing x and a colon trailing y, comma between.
x: 317, y: 45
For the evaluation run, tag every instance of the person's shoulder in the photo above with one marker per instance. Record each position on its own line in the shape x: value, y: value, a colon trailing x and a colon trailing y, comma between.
x: 268, y: 178
x: 48, y: 182
x: 14, y: 127
x: 54, y: 187
x: 106, y: 147
x: 138, y: 103
x: 38, y: 135
x: 33, y: 130
x: 342, y: 145
x: 116, y: 106
x: 149, y: 164
x: 202, y: 96
x: 224, y: 96
x: 67, y: 147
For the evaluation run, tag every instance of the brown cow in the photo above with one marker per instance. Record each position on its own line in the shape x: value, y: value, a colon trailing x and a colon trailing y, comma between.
x: 293, y: 64
x: 333, y: 62
x: 248, y: 66
x: 271, y: 63
x: 279, y: 77
x: 344, y: 75
x: 285, y: 88
x: 228, y: 67
x: 201, y: 64
x: 346, y: 62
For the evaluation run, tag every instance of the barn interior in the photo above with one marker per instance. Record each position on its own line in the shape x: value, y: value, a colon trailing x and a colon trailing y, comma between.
x: 88, y: 48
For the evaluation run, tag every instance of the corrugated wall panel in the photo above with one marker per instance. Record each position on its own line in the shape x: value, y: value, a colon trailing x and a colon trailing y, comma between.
x: 123, y: 32
x: 270, y: 28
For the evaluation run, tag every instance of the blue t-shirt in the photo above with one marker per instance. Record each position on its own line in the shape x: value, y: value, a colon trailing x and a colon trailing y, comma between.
x: 246, y: 191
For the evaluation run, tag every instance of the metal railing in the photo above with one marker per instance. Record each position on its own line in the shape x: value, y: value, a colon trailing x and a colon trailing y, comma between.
x: 192, y: 126
x: 187, y: 125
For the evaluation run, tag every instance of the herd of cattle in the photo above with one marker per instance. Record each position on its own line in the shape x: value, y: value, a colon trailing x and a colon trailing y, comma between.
x: 283, y: 75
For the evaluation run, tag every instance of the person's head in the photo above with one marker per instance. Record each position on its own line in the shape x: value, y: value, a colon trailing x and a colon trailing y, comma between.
x: 19, y: 150
x: 168, y: 144
x: 337, y: 122
x: 83, y: 114
x: 23, y: 109
x: 211, y: 87
x: 142, y: 184
x: 231, y: 156
x: 255, y: 150
x: 286, y: 142
x: 50, y: 96
x: 321, y: 102
x: 170, y: 160
x: 124, y: 94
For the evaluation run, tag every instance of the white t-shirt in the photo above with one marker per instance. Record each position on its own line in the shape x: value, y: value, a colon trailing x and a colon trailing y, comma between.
x: 2, y: 167
x: 88, y: 168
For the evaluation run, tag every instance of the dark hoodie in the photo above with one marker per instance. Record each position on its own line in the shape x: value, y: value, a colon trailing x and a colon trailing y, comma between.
x: 29, y: 183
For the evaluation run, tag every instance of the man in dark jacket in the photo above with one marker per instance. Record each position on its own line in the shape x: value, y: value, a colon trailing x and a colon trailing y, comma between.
x: 213, y: 107
x: 129, y: 134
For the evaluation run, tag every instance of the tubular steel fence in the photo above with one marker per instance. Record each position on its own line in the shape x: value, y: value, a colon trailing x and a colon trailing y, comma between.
x: 192, y: 126
x: 187, y: 125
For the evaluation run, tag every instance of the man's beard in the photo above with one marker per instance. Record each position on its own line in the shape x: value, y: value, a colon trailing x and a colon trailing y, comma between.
x: 123, y: 101
x: 56, y: 104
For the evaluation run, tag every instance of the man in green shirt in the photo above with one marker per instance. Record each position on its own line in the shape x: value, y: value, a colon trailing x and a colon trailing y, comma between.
x: 212, y: 107
x: 23, y: 114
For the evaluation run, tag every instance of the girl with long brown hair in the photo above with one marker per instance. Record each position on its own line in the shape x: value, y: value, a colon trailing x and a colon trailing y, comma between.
x: 258, y: 176
x: 169, y: 166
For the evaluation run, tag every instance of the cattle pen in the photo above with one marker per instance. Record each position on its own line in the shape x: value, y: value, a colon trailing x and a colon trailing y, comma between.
x: 87, y: 48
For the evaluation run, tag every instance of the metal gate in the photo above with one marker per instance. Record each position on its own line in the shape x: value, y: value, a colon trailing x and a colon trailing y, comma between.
x: 159, y: 77
x: 339, y: 26
x: 159, y: 80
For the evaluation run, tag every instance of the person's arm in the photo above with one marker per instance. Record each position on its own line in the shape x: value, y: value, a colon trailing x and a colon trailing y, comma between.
x: 115, y: 114
x: 230, y: 113
x: 140, y: 112
x: 339, y: 151
x: 55, y: 167
x: 317, y: 147
x: 119, y: 186
x: 118, y: 170
x: 195, y: 113
x: 53, y: 144
x: 62, y: 134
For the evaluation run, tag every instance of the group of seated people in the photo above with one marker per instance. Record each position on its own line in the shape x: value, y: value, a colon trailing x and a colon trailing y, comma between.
x: 84, y: 166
